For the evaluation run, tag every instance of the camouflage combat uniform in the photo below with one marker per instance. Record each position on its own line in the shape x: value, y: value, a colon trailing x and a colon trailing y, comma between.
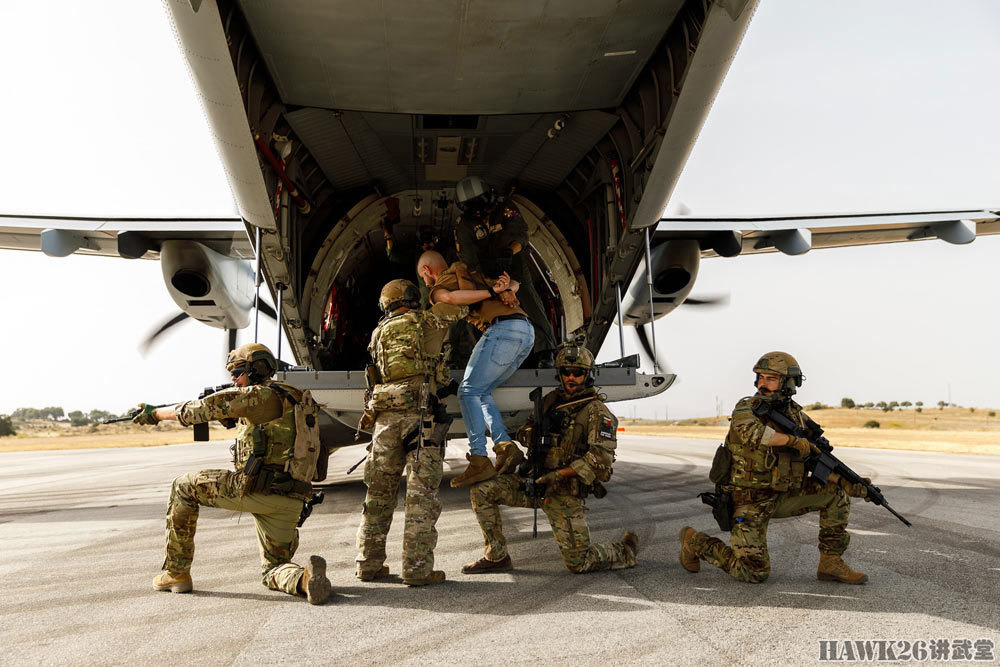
x: 264, y: 414
x: 404, y: 346
x: 770, y: 483
x: 585, y: 433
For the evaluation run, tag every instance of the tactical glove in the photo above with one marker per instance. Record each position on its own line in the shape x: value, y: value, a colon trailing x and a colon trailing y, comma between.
x: 145, y: 415
x: 856, y: 490
x: 509, y: 456
x: 448, y: 390
x: 801, y: 445
x: 555, y: 476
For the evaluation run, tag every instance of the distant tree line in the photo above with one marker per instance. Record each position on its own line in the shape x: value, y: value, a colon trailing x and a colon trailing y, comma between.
x: 55, y: 413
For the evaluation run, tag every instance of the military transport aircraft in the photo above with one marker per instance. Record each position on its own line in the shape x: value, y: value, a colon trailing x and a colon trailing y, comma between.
x: 334, y: 118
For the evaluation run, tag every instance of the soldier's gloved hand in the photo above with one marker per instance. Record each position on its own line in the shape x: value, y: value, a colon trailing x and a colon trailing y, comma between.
x: 555, y: 476
x: 509, y: 456
x: 856, y: 490
x: 145, y: 416
x: 801, y: 445
x: 449, y: 389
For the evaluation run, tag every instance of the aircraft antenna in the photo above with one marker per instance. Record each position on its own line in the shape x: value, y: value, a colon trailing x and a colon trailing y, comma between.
x: 652, y: 313
x: 621, y: 325
x: 256, y: 280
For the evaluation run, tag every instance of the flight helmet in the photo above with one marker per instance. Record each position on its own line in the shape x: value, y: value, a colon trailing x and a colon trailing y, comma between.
x: 398, y: 293
x: 783, y: 364
x: 473, y: 194
x: 256, y: 360
x: 574, y: 355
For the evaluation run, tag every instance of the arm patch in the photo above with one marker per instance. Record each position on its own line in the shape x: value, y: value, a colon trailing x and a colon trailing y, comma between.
x: 606, y: 428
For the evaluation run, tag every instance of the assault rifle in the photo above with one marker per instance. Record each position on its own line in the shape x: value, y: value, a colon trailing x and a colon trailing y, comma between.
x: 538, y: 450
x: 200, y: 430
x: 821, y: 463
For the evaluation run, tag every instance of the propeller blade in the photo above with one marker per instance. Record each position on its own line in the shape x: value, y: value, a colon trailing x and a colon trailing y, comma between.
x: 267, y: 309
x: 145, y: 345
x: 708, y: 301
x: 647, y: 347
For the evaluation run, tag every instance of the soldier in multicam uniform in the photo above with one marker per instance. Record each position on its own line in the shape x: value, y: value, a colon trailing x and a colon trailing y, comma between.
x: 768, y: 480
x: 406, y: 348
x: 580, y: 459
x: 261, y: 485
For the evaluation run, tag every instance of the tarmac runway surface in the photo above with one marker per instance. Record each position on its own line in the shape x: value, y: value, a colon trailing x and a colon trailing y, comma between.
x: 82, y: 535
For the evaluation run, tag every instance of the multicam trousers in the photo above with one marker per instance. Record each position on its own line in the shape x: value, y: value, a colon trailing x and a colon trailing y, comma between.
x: 566, y: 516
x: 386, y: 461
x: 748, y: 559
x: 275, y: 517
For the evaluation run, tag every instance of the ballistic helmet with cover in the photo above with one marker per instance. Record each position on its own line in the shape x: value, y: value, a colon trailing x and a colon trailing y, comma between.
x: 258, y: 361
x: 398, y: 293
x: 472, y: 193
x: 783, y: 364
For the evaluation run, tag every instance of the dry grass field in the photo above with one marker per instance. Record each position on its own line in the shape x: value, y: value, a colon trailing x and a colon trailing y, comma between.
x: 39, y: 435
x: 955, y: 430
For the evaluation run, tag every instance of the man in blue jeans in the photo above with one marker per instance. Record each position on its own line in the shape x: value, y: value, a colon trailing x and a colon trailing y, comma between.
x: 506, y: 342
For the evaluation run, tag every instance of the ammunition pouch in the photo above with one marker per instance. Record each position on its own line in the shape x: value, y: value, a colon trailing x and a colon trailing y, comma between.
x: 721, y: 503
x: 722, y: 463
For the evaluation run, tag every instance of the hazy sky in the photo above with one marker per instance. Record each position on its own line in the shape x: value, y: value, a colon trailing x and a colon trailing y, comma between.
x: 849, y: 106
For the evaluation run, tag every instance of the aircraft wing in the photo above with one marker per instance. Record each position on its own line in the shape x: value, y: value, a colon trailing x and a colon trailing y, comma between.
x: 129, y: 238
x: 794, y: 235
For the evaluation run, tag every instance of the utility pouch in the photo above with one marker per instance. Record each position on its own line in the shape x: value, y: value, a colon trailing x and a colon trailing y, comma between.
x: 722, y: 462
x: 259, y: 446
x: 372, y: 376
x: 722, y: 508
x: 596, y: 489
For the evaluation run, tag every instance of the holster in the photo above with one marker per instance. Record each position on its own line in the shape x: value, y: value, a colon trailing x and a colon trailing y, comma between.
x: 721, y: 503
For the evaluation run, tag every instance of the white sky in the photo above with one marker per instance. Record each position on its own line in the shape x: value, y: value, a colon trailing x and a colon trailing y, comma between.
x: 848, y: 106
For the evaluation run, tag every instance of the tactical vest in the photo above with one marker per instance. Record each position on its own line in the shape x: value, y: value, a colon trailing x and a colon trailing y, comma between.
x: 398, y: 349
x: 571, y: 428
x: 289, y: 444
x: 758, y: 466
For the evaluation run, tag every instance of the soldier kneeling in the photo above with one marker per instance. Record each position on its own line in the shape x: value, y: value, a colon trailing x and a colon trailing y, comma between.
x: 768, y: 480
x: 584, y: 431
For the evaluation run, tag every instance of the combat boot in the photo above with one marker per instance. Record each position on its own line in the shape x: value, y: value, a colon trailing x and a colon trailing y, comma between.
x: 175, y: 583
x: 631, y: 540
x: 484, y: 565
x: 314, y: 583
x: 372, y: 576
x: 480, y: 469
x: 832, y: 568
x: 435, y: 577
x: 689, y: 556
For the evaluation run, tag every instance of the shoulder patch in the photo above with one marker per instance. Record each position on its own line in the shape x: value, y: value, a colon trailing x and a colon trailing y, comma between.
x: 606, y: 428
x: 510, y: 212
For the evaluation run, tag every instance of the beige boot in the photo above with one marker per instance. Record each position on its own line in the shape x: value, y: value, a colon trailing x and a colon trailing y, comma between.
x: 435, y: 577
x: 832, y: 568
x: 314, y: 583
x: 480, y: 469
x: 689, y: 556
x: 631, y: 540
x: 484, y: 565
x: 372, y: 576
x: 175, y: 583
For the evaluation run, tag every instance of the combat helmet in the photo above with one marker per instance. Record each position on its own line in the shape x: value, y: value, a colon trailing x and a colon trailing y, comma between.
x: 398, y: 293
x: 473, y: 193
x: 783, y: 364
x: 574, y: 355
x: 257, y: 359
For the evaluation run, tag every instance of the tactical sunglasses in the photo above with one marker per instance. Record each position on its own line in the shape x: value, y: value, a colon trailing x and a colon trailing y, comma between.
x: 575, y: 372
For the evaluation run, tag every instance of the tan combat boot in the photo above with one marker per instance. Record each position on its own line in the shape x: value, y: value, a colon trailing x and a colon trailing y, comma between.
x: 631, y: 540
x: 372, y: 576
x: 314, y: 584
x: 480, y: 469
x: 689, y: 556
x: 175, y: 583
x: 832, y: 568
x: 485, y: 565
x: 435, y: 577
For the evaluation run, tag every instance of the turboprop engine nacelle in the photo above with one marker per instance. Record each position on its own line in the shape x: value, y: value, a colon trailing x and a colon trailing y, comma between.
x: 209, y: 286
x: 675, y: 267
